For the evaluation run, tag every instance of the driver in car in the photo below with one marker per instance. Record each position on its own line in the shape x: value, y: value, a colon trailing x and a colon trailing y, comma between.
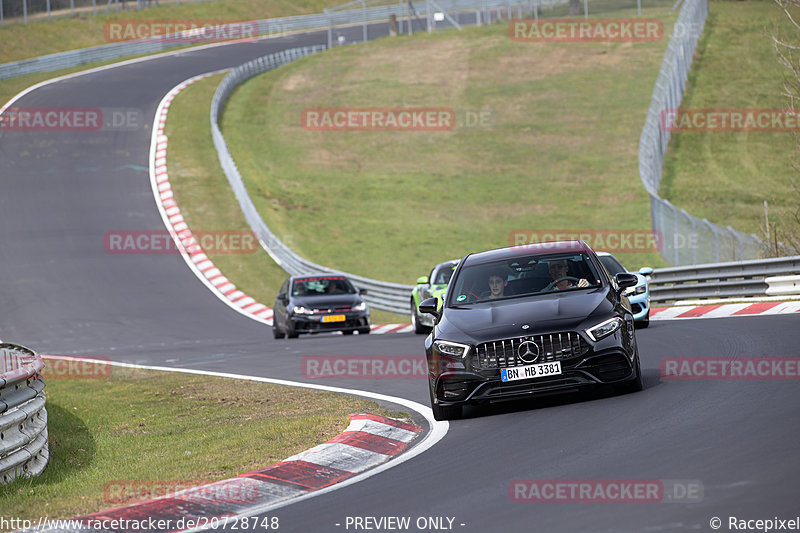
x: 558, y: 271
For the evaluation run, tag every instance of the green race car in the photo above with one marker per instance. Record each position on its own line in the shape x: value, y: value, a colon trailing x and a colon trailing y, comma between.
x: 431, y: 286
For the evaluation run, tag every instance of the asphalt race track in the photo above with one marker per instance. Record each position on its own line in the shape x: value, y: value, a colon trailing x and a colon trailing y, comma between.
x: 62, y: 293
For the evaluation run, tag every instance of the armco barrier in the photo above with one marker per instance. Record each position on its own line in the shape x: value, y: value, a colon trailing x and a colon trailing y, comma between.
x: 23, y: 417
x: 381, y: 294
x: 275, y: 26
x: 720, y: 280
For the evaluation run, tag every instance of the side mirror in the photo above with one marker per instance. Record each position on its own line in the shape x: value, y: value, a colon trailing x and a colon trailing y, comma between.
x: 429, y: 306
x: 625, y: 280
x: 282, y: 297
x: 422, y: 280
x: 362, y: 292
x: 645, y: 271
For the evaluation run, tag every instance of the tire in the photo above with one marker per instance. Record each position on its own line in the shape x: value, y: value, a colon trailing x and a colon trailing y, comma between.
x: 290, y: 332
x: 445, y: 412
x: 347, y: 332
x: 636, y: 384
x: 364, y: 331
x: 641, y: 324
x: 418, y: 328
x: 278, y: 334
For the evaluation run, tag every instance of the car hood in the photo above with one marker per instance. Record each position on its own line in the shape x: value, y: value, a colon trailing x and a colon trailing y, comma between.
x: 327, y: 302
x: 504, y: 319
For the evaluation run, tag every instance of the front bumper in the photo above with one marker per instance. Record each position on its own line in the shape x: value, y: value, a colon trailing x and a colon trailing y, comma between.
x: 314, y: 324
x: 460, y: 387
x: 640, y: 305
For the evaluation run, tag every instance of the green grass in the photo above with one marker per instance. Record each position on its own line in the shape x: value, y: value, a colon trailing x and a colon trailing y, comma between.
x: 561, y: 153
x: 207, y: 202
x: 726, y: 177
x: 157, y: 426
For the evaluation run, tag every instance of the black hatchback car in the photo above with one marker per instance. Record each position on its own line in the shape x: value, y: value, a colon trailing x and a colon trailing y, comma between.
x: 526, y: 321
x: 319, y: 303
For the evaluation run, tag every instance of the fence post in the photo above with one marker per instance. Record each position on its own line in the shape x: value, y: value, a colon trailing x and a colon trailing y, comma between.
x: 25, y: 11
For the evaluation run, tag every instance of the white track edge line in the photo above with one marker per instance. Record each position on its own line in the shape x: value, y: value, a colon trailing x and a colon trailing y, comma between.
x: 437, y: 432
x: 159, y: 204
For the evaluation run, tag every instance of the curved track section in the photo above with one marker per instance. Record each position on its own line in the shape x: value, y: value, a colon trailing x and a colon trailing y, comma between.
x: 62, y: 293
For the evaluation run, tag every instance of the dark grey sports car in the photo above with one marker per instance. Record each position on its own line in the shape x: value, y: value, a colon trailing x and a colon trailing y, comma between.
x: 319, y: 303
x: 530, y: 320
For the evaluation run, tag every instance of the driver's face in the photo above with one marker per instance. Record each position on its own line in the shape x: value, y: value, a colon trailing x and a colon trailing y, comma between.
x: 558, y: 269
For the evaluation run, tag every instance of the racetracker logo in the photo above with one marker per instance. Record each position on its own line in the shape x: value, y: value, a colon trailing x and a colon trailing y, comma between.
x: 69, y: 368
x: 729, y: 120
x: 620, y: 241
x: 365, y: 367
x: 596, y: 30
x: 237, y: 490
x: 726, y: 368
x: 378, y: 119
x: 179, y: 31
x: 605, y: 491
x: 71, y: 119
x: 161, y: 242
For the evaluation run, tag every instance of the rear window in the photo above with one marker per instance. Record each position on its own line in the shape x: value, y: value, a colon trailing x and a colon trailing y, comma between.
x: 322, y: 285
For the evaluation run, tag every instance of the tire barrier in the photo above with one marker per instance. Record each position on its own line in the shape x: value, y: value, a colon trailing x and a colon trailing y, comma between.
x: 23, y: 417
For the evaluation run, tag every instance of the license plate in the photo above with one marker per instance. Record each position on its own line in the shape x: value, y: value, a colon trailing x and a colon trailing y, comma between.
x: 530, y: 371
x: 333, y: 318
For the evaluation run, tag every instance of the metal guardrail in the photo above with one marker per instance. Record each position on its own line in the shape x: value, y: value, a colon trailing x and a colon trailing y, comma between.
x: 719, y: 280
x: 23, y: 417
x: 381, y: 294
x: 686, y: 238
x: 274, y: 26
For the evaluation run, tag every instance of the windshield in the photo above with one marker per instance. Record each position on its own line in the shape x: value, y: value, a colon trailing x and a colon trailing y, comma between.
x: 321, y: 286
x: 442, y: 274
x: 523, y: 276
x: 612, y: 265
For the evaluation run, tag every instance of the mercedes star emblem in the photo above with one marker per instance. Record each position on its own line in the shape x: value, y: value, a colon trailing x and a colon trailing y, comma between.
x: 528, y: 351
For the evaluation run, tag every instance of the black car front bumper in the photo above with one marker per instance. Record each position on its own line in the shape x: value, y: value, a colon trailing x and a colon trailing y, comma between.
x: 455, y: 386
x: 354, y: 321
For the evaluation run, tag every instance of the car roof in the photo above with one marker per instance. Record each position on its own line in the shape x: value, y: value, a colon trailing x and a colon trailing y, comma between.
x: 321, y: 275
x: 451, y: 262
x: 554, y: 247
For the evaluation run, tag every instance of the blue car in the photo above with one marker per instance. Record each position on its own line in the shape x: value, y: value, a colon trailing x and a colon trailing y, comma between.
x: 639, y: 295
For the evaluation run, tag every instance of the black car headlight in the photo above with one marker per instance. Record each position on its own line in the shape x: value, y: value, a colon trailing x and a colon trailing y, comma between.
x: 604, y: 329
x: 300, y: 310
x: 452, y: 349
x: 359, y: 307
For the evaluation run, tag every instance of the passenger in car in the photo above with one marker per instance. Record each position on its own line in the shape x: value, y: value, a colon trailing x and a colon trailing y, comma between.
x: 497, y: 284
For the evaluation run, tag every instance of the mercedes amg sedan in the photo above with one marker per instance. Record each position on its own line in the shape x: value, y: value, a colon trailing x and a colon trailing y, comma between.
x: 527, y: 321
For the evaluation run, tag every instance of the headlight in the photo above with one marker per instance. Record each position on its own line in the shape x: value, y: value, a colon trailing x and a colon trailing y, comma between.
x: 635, y: 290
x: 360, y: 307
x: 604, y: 329
x: 453, y: 349
x: 300, y: 310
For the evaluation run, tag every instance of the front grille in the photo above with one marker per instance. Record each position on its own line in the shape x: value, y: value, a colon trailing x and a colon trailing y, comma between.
x: 551, y: 347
